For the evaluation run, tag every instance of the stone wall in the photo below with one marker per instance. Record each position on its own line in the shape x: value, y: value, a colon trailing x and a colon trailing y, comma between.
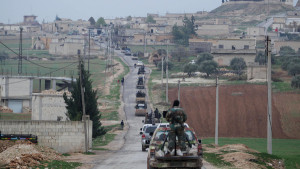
x: 64, y: 137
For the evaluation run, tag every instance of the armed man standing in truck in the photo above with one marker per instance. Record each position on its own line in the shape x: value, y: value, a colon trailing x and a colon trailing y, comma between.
x: 176, y: 117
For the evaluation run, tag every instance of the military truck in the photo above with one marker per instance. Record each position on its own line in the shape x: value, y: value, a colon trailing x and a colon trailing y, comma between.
x: 140, y: 83
x: 140, y: 96
x: 141, y: 108
x: 141, y: 70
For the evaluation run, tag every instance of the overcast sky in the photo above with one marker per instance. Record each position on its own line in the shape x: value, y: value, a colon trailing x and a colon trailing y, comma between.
x: 12, y: 11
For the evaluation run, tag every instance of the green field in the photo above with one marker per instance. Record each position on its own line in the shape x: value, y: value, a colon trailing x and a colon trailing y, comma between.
x: 26, y: 46
x: 288, y: 149
x: 14, y: 116
x: 56, y: 68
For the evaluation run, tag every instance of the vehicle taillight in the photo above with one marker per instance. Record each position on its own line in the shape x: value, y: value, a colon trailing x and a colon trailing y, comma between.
x: 143, y: 136
x: 199, y: 149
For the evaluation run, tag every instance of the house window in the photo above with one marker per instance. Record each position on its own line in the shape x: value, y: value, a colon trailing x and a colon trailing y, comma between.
x: 141, y: 40
x: 233, y: 47
x: 246, y: 46
x: 221, y: 46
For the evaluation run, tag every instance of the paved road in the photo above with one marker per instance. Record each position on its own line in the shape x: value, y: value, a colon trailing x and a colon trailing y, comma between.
x: 130, y: 156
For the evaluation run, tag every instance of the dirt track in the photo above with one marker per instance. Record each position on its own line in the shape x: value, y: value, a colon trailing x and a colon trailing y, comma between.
x: 248, y: 116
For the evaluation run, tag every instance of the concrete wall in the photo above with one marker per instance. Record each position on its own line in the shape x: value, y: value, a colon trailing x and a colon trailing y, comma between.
x: 15, y: 87
x: 213, y: 30
x: 224, y: 59
x: 255, y: 31
x: 293, y: 44
x: 65, y: 49
x: 48, y: 107
x: 256, y: 72
x: 64, y: 137
x: 237, y: 43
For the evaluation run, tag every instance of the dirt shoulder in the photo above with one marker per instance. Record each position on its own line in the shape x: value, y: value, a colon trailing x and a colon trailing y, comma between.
x: 239, y: 156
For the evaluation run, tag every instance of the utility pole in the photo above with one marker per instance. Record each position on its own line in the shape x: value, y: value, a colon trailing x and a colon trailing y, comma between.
x: 111, y: 52
x: 20, y: 53
x: 167, y: 76
x: 89, y: 50
x: 268, y: 8
x: 145, y: 45
x: 269, y: 133
x: 217, y: 113
x: 178, y: 90
x: 82, y: 100
x: 162, y: 72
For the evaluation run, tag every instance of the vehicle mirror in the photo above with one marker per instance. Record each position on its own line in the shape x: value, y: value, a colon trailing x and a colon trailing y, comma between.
x: 141, y: 133
x: 151, y: 133
x: 165, y: 113
x: 199, y: 141
x: 141, y: 129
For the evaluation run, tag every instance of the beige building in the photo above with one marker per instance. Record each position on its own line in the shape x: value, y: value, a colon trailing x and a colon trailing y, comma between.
x: 66, y: 26
x: 151, y: 39
x: 16, y: 93
x: 227, y: 49
x: 256, y: 72
x: 48, y: 107
x: 286, y: 2
x: 201, y: 45
x: 66, y: 46
x: 293, y: 44
x: 278, y: 23
x: 213, y: 30
x: 255, y: 31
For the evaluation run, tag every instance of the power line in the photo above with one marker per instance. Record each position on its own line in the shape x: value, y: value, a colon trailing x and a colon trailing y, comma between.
x: 42, y: 75
x: 24, y: 57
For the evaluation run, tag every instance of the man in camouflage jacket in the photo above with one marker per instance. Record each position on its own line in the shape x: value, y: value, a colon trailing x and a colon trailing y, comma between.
x: 176, y: 117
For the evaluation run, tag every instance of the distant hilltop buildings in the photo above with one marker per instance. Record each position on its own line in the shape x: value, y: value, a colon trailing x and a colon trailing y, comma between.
x: 287, y: 2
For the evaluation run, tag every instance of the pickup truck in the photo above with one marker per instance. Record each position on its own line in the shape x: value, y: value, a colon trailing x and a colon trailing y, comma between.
x: 158, y: 158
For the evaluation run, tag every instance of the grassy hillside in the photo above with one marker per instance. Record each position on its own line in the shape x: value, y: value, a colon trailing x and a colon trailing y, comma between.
x: 251, y: 9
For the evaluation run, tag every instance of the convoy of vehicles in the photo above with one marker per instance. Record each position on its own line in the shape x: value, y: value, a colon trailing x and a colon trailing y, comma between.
x: 154, y: 135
